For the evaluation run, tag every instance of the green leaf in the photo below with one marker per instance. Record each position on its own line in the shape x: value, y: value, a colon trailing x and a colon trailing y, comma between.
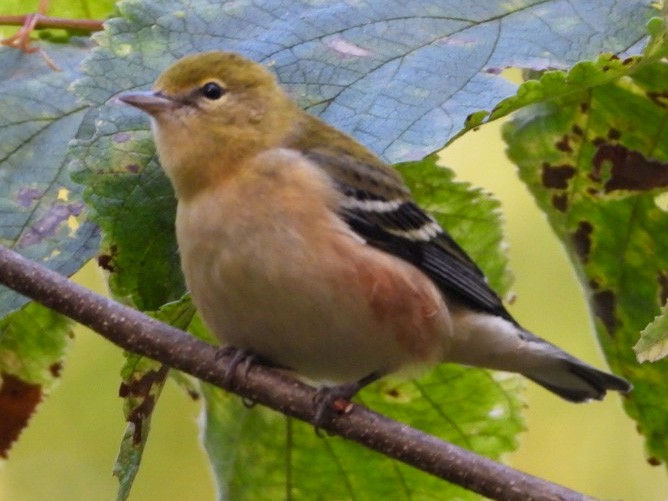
x: 43, y: 216
x: 653, y: 342
x: 133, y: 202
x: 471, y: 216
x: 427, y: 65
x: 33, y: 344
x: 554, y: 84
x: 259, y: 454
x: 143, y: 380
x: 596, y: 162
x: 581, y: 77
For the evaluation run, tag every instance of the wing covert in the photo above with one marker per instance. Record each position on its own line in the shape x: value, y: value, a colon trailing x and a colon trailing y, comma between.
x: 381, y: 211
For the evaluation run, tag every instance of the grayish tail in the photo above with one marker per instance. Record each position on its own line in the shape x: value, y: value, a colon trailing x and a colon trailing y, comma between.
x: 577, y: 381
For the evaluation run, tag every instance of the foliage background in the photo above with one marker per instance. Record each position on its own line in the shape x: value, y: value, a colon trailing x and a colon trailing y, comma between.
x: 68, y: 450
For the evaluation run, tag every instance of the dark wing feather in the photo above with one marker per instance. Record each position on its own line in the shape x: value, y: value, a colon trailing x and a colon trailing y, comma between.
x: 387, y: 218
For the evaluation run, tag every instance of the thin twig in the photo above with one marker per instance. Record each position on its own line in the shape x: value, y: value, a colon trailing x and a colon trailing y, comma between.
x: 141, y: 334
x: 90, y: 25
x: 21, y: 39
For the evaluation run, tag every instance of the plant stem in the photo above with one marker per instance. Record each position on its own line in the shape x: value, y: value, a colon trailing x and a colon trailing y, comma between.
x: 42, y: 21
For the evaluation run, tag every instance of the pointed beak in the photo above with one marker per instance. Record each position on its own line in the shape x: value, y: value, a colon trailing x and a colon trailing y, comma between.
x: 150, y: 102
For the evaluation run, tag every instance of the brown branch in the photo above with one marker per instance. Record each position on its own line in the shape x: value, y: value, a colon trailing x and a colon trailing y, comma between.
x: 42, y: 21
x: 141, y: 334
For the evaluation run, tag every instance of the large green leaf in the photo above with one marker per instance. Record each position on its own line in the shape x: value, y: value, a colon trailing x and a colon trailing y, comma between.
x: 43, y: 216
x: 596, y: 162
x: 401, y: 77
x: 259, y: 454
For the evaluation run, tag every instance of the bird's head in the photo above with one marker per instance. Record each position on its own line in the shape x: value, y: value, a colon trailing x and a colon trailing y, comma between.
x: 213, y: 107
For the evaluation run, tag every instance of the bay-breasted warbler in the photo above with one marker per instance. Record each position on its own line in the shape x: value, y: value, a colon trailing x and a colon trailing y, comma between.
x: 303, y: 247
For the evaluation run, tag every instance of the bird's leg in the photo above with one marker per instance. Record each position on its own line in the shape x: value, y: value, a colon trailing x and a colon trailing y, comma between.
x: 336, y: 399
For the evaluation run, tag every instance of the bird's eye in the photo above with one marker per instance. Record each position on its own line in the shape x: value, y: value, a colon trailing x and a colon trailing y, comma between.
x: 212, y: 91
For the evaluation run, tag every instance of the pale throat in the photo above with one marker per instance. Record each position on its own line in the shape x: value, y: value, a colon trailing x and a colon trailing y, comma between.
x: 196, y: 161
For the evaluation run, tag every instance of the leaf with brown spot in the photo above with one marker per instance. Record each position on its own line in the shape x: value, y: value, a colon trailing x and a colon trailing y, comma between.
x: 626, y: 169
x: 582, y: 240
x: 18, y: 401
x: 603, y: 305
x: 143, y: 381
x: 616, y: 235
x: 33, y: 344
x: 614, y: 134
x: 560, y: 202
x: 660, y: 98
x: 564, y: 144
x: 662, y: 280
x: 557, y: 176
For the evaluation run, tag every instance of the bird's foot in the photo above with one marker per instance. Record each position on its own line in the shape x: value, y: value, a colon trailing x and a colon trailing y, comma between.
x: 331, y: 401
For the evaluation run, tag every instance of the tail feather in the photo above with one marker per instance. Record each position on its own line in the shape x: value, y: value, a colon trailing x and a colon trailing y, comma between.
x: 498, y: 343
x: 577, y: 381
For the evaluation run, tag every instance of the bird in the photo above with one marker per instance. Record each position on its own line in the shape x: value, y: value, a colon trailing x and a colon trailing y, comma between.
x: 303, y: 248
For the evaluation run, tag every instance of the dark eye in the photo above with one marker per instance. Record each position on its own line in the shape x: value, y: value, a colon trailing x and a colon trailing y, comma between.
x: 212, y: 90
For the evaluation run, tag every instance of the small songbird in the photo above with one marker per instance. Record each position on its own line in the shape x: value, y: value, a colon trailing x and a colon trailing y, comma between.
x: 302, y: 247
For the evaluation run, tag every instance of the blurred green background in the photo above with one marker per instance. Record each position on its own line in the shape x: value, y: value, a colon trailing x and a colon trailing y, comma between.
x: 68, y: 451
